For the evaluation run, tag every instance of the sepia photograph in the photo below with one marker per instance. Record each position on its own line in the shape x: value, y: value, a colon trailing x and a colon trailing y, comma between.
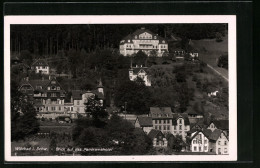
x: 102, y: 88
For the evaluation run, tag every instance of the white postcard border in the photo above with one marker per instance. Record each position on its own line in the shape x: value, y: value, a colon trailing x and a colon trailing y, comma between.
x: 125, y: 19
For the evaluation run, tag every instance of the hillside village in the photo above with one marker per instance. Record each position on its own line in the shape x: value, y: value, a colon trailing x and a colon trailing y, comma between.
x: 162, y: 94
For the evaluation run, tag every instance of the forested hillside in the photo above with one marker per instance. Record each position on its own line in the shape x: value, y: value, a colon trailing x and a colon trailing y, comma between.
x: 45, y: 40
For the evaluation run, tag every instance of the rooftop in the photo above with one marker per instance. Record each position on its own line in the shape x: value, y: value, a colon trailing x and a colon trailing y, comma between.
x: 161, y: 112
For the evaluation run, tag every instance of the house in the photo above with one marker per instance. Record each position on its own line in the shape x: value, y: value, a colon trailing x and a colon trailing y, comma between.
x: 218, y: 142
x: 139, y: 72
x: 146, y: 123
x: 47, y: 96
x: 144, y: 40
x: 209, y: 141
x: 199, y: 142
x: 158, y: 138
x: 41, y: 66
x: 162, y: 118
x: 79, y: 99
x: 180, y: 124
x: 219, y: 124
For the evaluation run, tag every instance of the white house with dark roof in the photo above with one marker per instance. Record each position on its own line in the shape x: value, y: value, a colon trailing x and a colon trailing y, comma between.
x: 41, y: 66
x: 144, y: 40
x: 139, y: 72
x: 209, y: 141
x: 180, y: 124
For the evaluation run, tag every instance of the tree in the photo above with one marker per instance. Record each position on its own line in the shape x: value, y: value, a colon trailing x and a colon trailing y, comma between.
x: 97, y: 111
x: 177, y: 143
x: 137, y: 96
x: 23, y: 115
x: 140, y: 58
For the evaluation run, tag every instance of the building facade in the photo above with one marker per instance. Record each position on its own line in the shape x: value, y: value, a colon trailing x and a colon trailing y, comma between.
x: 143, y: 40
x: 162, y: 119
x: 140, y: 72
x: 180, y: 125
x: 158, y: 138
x: 41, y: 66
x: 199, y: 142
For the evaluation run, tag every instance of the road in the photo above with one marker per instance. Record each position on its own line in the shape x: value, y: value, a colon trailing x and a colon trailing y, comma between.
x: 210, y: 60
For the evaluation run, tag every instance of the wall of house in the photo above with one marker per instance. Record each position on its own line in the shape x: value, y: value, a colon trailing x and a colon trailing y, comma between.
x: 200, y: 143
x: 222, y: 145
x: 142, y: 75
x: 145, y: 44
x: 160, y: 143
x: 180, y: 128
x: 43, y: 69
x: 164, y: 125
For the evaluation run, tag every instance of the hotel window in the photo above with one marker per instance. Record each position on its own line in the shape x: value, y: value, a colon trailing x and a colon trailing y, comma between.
x: 205, y: 148
x: 71, y: 108
x: 219, y: 142
x: 77, y: 102
x: 77, y: 108
x: 200, y: 148
x: 155, y: 121
x: 180, y: 127
x: 47, y: 109
x: 164, y: 121
x: 195, y: 148
x: 205, y: 141
x: 168, y: 127
x: 174, y: 127
x: 225, y: 142
x: 164, y: 127
x: 59, y: 108
x: 194, y: 141
x: 160, y: 127
x: 159, y: 121
x: 156, y: 127
x: 168, y: 121
x: 180, y: 121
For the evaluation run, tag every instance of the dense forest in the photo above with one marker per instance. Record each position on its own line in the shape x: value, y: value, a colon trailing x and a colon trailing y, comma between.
x: 46, y: 40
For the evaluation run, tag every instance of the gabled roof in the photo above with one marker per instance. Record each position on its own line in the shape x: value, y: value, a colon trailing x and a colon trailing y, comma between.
x: 176, y: 116
x: 40, y: 62
x: 215, y: 134
x: 145, y: 121
x: 221, y: 124
x: 131, y: 37
x: 153, y: 133
x: 210, y: 135
x: 200, y: 123
x: 161, y: 112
